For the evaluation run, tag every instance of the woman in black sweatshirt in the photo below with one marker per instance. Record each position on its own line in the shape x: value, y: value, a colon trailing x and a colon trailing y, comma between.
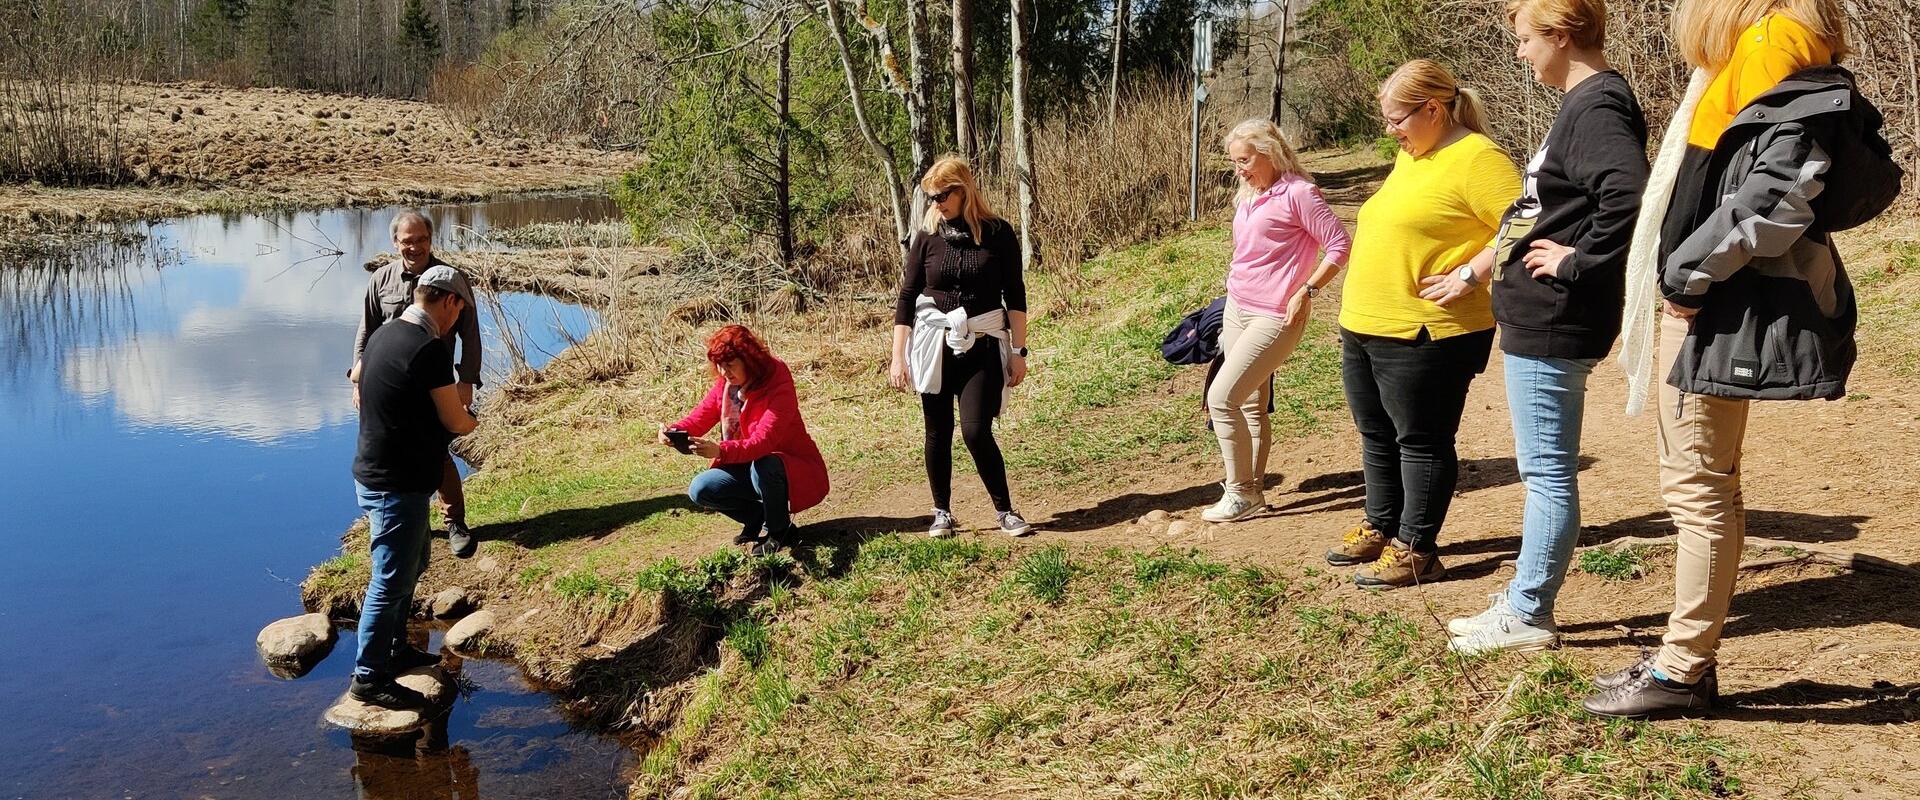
x: 1559, y: 282
x: 960, y: 334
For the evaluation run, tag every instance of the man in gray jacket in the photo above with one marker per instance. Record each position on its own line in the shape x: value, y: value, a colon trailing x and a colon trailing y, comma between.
x: 389, y: 292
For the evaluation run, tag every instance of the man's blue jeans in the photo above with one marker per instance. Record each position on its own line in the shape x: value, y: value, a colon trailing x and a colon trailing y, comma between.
x: 752, y: 494
x: 398, y: 539
x: 1548, y: 399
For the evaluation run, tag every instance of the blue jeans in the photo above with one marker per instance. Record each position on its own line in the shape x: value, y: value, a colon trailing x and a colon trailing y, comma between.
x: 1548, y: 398
x: 398, y: 541
x: 752, y: 494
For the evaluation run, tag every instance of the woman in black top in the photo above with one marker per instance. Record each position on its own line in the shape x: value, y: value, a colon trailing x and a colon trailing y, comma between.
x: 960, y: 333
x: 1559, y: 283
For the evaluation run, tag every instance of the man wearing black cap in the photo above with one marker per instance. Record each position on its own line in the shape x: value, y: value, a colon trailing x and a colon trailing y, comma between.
x: 389, y: 292
x: 410, y: 409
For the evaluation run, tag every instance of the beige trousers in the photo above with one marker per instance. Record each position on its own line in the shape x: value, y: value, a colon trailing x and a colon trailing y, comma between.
x: 1700, y: 481
x: 1253, y: 346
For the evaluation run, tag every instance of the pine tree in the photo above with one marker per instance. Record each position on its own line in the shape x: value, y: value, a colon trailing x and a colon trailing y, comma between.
x: 419, y: 35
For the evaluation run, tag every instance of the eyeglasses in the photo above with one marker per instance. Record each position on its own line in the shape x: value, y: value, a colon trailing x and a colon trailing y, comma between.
x: 942, y: 195
x: 1241, y: 162
x: 1402, y: 121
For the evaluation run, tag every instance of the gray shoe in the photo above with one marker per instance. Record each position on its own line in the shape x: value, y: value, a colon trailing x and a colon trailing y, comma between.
x: 460, y: 540
x: 1644, y: 696
x: 1619, y: 677
x: 943, y: 524
x: 1012, y: 525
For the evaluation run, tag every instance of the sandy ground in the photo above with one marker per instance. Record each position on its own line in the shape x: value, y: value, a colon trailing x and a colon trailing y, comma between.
x: 200, y: 147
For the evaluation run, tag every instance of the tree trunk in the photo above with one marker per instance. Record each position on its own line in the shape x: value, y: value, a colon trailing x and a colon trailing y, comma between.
x: 882, y: 154
x: 919, y: 97
x: 1280, y: 65
x: 1023, y: 136
x: 1113, y: 82
x: 783, y: 181
x: 966, y: 134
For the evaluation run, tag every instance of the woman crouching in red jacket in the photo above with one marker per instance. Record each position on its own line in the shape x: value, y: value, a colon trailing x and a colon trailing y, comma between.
x: 765, y: 466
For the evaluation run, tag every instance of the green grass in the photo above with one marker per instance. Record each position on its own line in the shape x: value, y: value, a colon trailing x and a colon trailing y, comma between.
x: 1615, y: 565
x: 1157, y: 675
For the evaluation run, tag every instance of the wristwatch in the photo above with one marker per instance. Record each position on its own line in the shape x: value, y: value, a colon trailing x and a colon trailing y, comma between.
x: 1020, y: 351
x: 1466, y: 275
x: 1312, y: 291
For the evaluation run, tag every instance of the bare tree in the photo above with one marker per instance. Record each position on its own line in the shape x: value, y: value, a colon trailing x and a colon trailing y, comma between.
x: 882, y: 154
x: 965, y: 130
x: 1279, y: 61
x: 1023, y: 134
x: 1113, y: 82
x: 783, y: 181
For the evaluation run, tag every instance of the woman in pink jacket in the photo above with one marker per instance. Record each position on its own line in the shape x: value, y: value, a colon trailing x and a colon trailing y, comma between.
x: 765, y: 466
x: 1287, y: 244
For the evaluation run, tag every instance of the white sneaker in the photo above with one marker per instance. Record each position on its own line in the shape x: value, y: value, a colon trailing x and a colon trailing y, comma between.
x: 1233, y: 507
x: 1467, y: 626
x: 1507, y: 632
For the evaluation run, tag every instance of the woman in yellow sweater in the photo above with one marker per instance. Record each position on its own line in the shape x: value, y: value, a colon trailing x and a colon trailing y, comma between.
x: 1416, y: 320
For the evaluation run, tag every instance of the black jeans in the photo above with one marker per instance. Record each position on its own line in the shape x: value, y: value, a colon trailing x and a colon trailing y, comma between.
x: 975, y: 380
x: 1407, y: 398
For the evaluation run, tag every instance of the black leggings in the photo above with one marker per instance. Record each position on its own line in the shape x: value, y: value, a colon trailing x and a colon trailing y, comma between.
x: 976, y: 380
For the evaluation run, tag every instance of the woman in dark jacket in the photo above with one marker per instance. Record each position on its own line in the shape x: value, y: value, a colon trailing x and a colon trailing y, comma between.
x: 960, y: 334
x: 1778, y: 150
x: 1557, y: 291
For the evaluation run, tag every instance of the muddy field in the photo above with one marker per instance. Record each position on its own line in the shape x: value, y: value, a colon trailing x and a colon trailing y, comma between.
x: 199, y: 147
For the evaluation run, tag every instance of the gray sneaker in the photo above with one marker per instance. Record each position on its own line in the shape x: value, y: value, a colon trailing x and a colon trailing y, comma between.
x: 1645, y: 696
x: 943, y: 524
x: 460, y: 540
x: 1012, y: 525
x: 1506, y: 632
x: 1467, y: 626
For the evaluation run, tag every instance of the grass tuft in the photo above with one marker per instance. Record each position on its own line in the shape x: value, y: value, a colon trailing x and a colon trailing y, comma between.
x: 1615, y: 565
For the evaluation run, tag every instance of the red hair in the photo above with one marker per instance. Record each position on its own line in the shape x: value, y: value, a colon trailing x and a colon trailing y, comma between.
x: 735, y: 341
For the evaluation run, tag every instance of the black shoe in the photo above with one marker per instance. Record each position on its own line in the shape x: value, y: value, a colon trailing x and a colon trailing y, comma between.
x: 768, y: 546
x: 460, y: 540
x: 387, y: 694
x: 410, y: 658
x: 748, y: 535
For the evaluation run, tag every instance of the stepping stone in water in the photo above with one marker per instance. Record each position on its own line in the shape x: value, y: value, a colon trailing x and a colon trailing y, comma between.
x: 360, y: 717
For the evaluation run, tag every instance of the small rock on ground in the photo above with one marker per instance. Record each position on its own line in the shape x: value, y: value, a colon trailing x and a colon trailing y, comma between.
x: 453, y: 602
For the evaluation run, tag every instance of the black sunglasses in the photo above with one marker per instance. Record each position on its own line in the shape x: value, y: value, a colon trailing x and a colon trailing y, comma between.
x: 943, y: 194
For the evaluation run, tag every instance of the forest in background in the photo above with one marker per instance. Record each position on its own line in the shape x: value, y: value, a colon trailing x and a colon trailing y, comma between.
x: 781, y: 138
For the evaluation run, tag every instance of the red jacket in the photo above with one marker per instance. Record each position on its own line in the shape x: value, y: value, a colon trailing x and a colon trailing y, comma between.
x: 773, y: 426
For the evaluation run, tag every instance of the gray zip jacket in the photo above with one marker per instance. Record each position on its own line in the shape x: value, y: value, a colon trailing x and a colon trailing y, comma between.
x: 1752, y: 249
x: 390, y: 291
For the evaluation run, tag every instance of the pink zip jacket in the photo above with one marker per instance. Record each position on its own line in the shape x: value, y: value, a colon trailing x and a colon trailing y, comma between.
x: 1277, y: 240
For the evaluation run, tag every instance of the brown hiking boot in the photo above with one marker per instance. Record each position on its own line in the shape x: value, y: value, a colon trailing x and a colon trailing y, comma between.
x: 1361, y: 545
x: 1399, y: 567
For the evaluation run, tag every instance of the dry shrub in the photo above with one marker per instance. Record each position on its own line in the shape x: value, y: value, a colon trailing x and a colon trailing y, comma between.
x: 584, y: 70
x: 60, y: 98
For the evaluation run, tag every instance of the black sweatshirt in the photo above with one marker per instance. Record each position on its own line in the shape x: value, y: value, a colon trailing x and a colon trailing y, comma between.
x: 951, y: 268
x: 1582, y: 190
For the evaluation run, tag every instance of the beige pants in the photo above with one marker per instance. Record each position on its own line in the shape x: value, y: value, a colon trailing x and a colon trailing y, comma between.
x: 1253, y: 346
x: 1700, y: 482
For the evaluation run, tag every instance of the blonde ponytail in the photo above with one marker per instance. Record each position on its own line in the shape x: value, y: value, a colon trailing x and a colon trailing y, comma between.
x: 1469, y: 111
x: 1421, y: 80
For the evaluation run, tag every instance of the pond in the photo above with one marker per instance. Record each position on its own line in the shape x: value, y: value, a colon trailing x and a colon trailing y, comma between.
x: 176, y: 433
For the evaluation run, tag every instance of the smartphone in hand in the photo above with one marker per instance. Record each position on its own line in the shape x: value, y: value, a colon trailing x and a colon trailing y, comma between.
x: 681, y: 440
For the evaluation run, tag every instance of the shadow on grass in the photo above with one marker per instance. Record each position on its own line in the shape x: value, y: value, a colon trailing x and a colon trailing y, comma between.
x: 829, y: 546
x: 1791, y: 526
x: 1881, y: 703
x: 592, y: 522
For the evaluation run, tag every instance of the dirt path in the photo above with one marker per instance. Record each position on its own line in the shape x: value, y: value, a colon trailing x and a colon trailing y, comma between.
x: 199, y: 147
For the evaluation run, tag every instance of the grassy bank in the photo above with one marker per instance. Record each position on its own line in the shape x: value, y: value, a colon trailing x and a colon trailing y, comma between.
x: 949, y: 668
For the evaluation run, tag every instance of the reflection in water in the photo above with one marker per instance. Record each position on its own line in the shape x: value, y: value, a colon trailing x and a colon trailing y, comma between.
x: 175, y: 434
x: 416, y: 766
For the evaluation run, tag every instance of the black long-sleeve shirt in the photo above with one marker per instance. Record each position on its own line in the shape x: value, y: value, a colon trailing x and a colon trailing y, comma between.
x: 1582, y: 190
x: 957, y: 272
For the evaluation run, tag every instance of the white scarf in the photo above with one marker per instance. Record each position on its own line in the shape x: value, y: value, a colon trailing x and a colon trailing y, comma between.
x: 1643, y: 259
x: 935, y: 330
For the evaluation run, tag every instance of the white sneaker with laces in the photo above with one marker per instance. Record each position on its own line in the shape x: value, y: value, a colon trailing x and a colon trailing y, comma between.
x: 1233, y: 507
x: 1466, y: 626
x: 1509, y: 633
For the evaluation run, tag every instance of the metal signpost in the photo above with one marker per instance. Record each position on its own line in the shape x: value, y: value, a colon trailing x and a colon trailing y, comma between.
x: 1202, y: 65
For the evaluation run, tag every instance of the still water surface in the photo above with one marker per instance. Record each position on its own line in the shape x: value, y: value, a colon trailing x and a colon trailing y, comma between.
x: 175, y: 437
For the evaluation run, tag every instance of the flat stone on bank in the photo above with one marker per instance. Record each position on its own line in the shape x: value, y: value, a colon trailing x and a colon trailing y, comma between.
x: 452, y: 602
x: 360, y: 717
x: 465, y: 636
x: 302, y: 639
